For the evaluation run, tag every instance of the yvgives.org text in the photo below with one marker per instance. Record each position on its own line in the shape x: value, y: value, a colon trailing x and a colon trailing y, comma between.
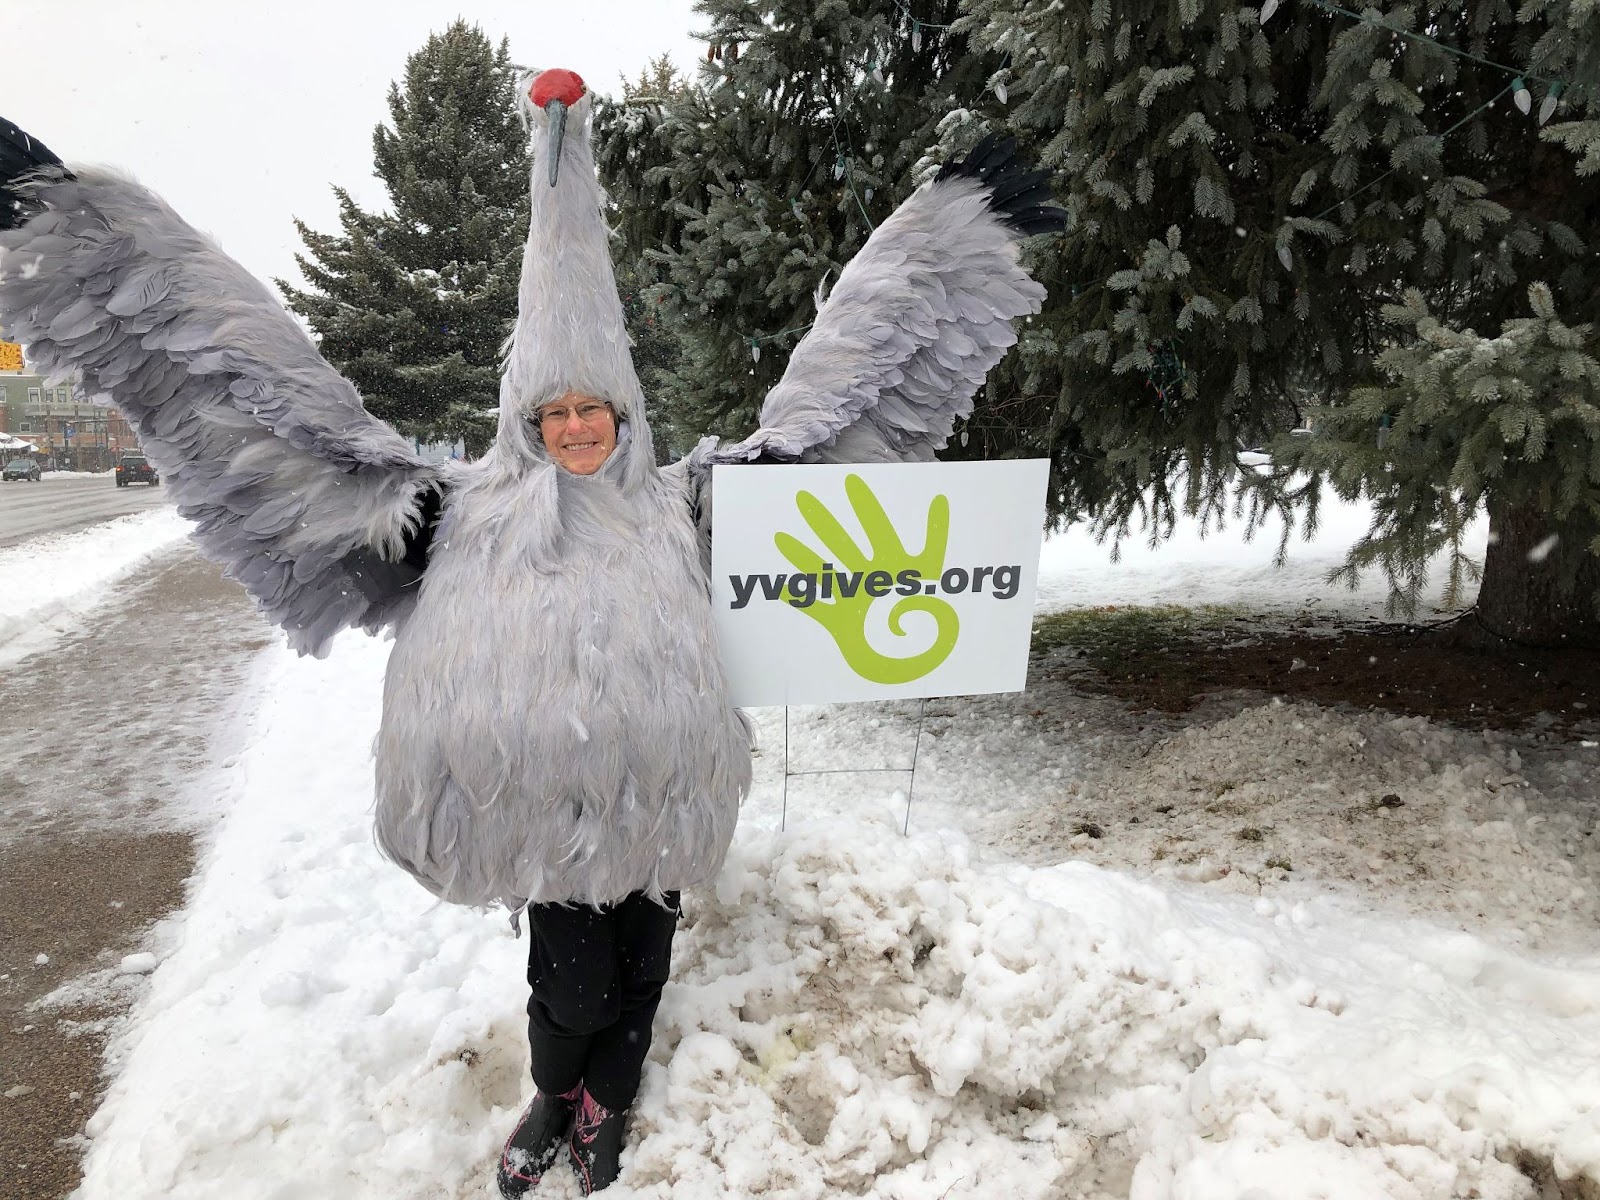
x: 916, y: 579
x: 802, y: 591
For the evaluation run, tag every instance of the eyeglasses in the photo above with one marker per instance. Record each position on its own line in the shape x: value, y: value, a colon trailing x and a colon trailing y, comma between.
x: 588, y: 412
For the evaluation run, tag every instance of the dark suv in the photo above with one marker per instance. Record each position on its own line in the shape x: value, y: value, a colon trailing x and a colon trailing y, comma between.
x: 136, y: 468
x: 21, y: 468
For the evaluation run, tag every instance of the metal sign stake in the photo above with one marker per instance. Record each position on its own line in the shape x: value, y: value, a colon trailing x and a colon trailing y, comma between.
x: 916, y: 750
x: 911, y: 787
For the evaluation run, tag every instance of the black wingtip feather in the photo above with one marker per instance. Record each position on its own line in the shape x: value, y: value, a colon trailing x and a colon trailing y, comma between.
x: 1023, y: 188
x: 20, y: 156
x: 1020, y: 196
x: 1039, y: 220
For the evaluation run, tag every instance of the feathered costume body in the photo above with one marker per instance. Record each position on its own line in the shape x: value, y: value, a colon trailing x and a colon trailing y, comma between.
x: 573, y: 738
x: 556, y: 723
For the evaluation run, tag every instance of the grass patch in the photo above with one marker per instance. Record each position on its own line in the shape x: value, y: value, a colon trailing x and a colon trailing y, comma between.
x: 1112, y: 631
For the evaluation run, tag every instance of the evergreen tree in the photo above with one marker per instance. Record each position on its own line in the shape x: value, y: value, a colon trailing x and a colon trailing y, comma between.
x: 622, y: 127
x: 657, y: 352
x: 1248, y: 201
x: 413, y: 305
x: 742, y: 195
x: 658, y: 81
x: 1511, y: 422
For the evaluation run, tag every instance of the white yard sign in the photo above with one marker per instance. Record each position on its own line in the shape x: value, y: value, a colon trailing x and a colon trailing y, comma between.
x: 875, y: 582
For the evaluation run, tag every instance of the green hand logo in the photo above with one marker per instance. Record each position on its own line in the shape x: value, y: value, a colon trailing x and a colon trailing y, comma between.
x: 844, y: 616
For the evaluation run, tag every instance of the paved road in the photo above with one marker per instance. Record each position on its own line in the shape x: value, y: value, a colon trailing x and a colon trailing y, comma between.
x: 104, y: 729
x: 68, y: 502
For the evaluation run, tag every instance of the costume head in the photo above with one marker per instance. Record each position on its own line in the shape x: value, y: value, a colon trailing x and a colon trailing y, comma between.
x: 570, y: 335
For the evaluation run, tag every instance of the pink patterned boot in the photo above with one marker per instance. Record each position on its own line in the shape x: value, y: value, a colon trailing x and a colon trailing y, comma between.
x: 535, y: 1142
x: 595, y: 1147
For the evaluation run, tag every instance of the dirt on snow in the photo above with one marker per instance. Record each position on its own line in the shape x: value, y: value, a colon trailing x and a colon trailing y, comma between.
x: 1166, y: 660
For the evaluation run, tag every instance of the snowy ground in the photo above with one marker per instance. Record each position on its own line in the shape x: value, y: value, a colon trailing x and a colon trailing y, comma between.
x: 1001, y: 1003
x: 51, y: 581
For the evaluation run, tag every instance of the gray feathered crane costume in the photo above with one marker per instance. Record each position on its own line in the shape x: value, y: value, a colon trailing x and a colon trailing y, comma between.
x: 556, y: 723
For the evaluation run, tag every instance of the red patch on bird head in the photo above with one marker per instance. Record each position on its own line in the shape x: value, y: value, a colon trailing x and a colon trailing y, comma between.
x: 558, y: 84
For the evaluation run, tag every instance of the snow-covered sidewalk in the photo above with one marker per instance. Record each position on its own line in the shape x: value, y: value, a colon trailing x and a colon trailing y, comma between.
x: 52, y: 581
x: 999, y: 1004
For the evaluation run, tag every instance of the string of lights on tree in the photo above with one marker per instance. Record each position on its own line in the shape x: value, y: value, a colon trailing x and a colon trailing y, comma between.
x: 1520, y: 94
x: 1167, y: 374
x: 1169, y: 371
x: 1482, y: 108
x: 1518, y: 87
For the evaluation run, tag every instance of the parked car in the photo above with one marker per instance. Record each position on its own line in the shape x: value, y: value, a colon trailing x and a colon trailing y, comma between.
x: 136, y: 468
x: 21, y: 468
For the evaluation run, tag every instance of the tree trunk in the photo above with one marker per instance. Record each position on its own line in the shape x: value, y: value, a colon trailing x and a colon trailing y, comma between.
x: 1521, y: 597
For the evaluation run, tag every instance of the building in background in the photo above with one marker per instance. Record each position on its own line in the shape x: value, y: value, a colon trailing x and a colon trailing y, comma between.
x: 68, y: 430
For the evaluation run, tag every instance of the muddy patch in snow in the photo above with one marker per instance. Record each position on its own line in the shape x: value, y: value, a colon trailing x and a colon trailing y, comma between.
x: 913, y: 1024
x: 1284, y: 801
x: 1489, y: 831
x: 1167, y: 658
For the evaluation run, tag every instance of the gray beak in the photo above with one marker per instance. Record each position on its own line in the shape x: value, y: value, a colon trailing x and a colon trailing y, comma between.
x: 557, y: 113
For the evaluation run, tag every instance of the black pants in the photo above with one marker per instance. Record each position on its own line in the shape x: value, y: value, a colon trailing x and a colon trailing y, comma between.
x: 595, y: 977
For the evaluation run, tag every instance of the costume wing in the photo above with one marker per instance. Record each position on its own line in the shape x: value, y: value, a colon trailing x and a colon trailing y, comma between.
x: 307, y: 498
x: 915, y: 322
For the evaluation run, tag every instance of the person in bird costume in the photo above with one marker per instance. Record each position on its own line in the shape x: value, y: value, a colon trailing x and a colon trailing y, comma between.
x: 556, y: 733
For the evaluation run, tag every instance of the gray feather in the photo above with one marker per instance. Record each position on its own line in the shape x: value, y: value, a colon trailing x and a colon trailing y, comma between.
x: 915, y: 322
x: 139, y: 291
x: 264, y: 446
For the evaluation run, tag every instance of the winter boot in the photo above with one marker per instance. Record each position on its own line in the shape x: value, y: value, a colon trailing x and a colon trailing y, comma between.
x: 595, y: 1147
x: 536, y: 1141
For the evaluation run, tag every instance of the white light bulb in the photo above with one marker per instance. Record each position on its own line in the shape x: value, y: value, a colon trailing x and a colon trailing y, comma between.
x: 1551, y: 101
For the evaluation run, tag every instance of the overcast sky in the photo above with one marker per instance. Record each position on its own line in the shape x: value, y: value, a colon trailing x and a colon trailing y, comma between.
x: 243, y: 115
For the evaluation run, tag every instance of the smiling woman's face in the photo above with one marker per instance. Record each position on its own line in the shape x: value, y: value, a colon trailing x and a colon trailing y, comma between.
x: 579, y: 432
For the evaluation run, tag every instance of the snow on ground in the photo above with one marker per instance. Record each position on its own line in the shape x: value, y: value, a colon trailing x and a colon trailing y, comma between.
x: 51, y: 581
x: 1220, y: 567
x: 999, y: 1004
x: 1481, y: 831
